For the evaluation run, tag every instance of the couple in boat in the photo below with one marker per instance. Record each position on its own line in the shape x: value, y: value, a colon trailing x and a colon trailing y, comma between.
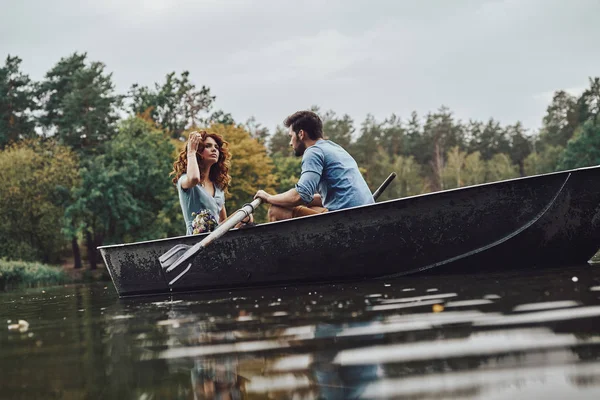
x: 329, y: 179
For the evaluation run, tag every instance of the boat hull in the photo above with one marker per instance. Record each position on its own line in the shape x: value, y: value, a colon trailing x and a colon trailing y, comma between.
x: 541, y: 221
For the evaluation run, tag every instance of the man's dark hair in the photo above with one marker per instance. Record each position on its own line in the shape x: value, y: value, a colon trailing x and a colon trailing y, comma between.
x: 308, y: 121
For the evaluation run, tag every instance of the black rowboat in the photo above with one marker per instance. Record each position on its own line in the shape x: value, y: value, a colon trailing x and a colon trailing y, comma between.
x: 539, y: 221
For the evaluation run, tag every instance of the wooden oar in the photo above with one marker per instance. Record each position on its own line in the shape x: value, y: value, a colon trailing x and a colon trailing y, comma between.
x: 383, y: 186
x: 180, y: 253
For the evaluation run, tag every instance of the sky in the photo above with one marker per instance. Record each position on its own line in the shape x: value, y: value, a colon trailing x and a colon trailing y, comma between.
x: 269, y: 58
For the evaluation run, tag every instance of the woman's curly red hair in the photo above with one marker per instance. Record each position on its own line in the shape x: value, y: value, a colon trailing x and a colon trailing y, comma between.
x: 219, y: 172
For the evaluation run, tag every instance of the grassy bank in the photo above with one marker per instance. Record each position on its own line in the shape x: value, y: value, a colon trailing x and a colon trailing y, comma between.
x: 27, y: 274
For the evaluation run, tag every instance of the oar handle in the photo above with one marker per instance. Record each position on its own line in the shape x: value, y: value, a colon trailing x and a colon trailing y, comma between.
x: 383, y: 186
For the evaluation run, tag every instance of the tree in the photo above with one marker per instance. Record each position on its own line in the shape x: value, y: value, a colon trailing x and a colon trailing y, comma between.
x: 287, y: 171
x: 126, y: 191
x: 544, y: 161
x: 520, y: 146
x: 176, y: 104
x: 488, y: 139
x: 338, y: 130
x: 500, y: 168
x: 583, y: 150
x: 79, y: 104
x: 256, y: 130
x: 440, y: 133
x: 35, y: 176
x: 393, y: 136
x: 251, y: 168
x: 414, y: 136
x: 453, y: 170
x: 366, y: 147
x: 560, y: 121
x: 474, y: 171
x: 279, y: 143
x: 16, y: 103
x: 588, y: 105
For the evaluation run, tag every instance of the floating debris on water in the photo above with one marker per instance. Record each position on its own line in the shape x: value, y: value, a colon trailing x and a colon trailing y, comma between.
x: 491, y: 297
x: 437, y: 308
x: 22, y: 326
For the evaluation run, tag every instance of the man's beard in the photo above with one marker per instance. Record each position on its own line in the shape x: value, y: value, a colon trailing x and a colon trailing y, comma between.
x: 299, y: 151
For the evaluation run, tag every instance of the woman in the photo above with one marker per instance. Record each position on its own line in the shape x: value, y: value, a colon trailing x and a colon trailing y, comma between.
x: 202, y: 179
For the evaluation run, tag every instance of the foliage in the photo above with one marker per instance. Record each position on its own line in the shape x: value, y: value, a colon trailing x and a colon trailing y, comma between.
x: 500, y: 167
x: 287, y: 170
x: 279, y: 143
x: 176, y: 104
x: 338, y: 130
x: 124, y: 192
x: 36, y: 176
x: 544, y: 161
x: 474, y: 171
x: 251, y: 168
x: 14, y: 273
x: 79, y: 104
x: 583, y: 150
x: 16, y: 103
x: 453, y: 170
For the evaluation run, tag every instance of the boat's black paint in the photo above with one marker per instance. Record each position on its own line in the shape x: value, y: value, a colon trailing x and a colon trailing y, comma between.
x: 540, y: 221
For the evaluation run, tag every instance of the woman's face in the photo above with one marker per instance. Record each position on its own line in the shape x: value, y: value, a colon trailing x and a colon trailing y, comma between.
x: 210, y: 154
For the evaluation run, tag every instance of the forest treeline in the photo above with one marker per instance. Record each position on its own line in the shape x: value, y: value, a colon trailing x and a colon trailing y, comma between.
x: 82, y: 165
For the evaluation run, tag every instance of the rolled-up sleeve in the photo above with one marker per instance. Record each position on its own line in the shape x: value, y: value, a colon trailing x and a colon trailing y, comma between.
x: 312, y: 168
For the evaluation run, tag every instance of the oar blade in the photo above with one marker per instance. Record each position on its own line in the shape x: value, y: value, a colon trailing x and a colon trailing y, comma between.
x: 171, y: 256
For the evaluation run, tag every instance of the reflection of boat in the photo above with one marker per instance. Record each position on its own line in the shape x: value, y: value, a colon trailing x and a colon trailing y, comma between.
x: 544, y: 220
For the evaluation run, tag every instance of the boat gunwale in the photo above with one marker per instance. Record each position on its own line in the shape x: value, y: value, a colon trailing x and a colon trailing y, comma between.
x: 422, y: 195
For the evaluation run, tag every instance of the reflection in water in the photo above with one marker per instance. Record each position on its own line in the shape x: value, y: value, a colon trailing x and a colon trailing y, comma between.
x: 529, y: 335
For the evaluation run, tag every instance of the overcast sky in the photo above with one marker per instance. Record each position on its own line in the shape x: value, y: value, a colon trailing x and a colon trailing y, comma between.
x: 481, y: 58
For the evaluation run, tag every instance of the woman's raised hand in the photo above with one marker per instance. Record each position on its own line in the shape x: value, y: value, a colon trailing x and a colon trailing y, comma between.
x: 193, y: 142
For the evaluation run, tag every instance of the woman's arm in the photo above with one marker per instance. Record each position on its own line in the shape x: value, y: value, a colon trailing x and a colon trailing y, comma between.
x: 223, y: 214
x: 193, y: 170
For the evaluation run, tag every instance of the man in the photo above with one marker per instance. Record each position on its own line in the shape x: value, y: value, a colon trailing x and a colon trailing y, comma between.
x: 330, y: 179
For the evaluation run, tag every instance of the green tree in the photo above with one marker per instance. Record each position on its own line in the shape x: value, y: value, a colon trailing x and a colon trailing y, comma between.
x: 560, y: 121
x: 251, y: 168
x: 500, y: 167
x: 489, y: 139
x: 583, y: 150
x: 79, y: 103
x: 176, y: 104
x: 16, y: 103
x: 520, y: 146
x: 366, y: 148
x: 338, y: 129
x: 256, y: 130
x: 393, y: 136
x: 279, y: 143
x: 440, y: 133
x: 588, y: 104
x: 287, y: 170
x: 35, y: 176
x: 474, y: 170
x: 452, y: 174
x: 126, y: 192
x: 544, y: 161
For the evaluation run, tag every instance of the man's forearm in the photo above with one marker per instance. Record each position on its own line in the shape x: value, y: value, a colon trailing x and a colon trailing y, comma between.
x: 291, y: 198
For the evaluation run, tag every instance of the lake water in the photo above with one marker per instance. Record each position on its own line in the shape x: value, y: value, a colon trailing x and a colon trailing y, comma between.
x: 516, y: 336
